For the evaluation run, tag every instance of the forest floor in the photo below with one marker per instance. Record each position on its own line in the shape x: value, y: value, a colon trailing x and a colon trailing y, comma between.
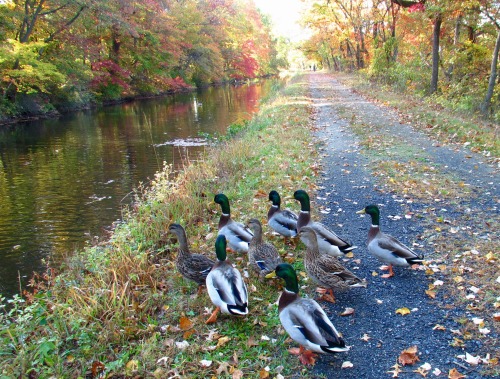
x: 438, y: 198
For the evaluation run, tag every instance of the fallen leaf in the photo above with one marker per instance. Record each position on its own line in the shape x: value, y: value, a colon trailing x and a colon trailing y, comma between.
x: 438, y: 327
x: 182, y: 345
x: 347, y: 312
x: 470, y: 359
x: 396, y: 370
x: 365, y: 337
x: 408, y: 356
x: 188, y: 333
x: 263, y: 374
x: 484, y: 331
x: 431, y: 294
x: 132, y: 365
x: 347, y: 364
x: 223, y: 366
x: 496, y: 316
x: 185, y: 323
x: 222, y: 341
x: 403, y: 311
x: 205, y: 363
x: 436, y: 372
x: 252, y: 342
x: 454, y: 374
x: 237, y: 374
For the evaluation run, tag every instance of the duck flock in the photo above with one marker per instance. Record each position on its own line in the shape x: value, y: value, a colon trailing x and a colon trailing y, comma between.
x: 303, y: 319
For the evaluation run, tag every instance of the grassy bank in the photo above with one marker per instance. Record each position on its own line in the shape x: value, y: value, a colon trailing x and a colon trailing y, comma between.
x: 121, y: 309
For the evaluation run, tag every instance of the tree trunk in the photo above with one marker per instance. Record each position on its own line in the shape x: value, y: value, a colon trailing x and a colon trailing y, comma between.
x: 435, y: 52
x: 456, y: 41
x: 485, y: 106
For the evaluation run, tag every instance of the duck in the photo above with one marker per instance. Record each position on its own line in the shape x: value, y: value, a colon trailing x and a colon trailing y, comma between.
x: 282, y: 221
x: 304, y: 320
x: 387, y: 248
x: 263, y: 257
x: 238, y: 236
x: 328, y: 241
x: 194, y: 267
x: 225, y: 285
x: 325, y: 270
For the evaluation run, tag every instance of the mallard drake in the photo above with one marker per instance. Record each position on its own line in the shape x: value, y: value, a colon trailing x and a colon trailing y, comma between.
x: 225, y: 286
x: 304, y: 320
x: 194, y: 267
x: 328, y: 241
x: 262, y: 256
x: 238, y: 236
x: 385, y: 247
x: 325, y: 270
x: 283, y: 221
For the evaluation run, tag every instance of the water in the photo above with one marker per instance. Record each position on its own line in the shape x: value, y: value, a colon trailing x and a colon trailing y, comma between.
x: 63, y: 181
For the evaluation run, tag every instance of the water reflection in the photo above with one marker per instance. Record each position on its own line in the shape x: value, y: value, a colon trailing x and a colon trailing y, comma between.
x: 62, y: 181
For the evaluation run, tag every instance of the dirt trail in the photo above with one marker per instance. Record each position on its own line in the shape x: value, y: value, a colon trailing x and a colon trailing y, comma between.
x: 376, y: 333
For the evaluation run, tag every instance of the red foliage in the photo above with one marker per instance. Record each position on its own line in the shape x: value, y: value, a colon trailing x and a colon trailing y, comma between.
x: 245, y: 64
x: 108, y: 72
x: 420, y: 7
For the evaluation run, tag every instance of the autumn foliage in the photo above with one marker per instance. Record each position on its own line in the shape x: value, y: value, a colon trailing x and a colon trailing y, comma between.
x: 107, y: 50
x: 448, y: 49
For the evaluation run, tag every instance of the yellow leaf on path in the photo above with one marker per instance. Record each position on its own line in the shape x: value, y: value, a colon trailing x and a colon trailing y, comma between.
x: 349, y: 255
x: 454, y: 374
x: 403, y: 311
x: 458, y: 279
x: 431, y: 294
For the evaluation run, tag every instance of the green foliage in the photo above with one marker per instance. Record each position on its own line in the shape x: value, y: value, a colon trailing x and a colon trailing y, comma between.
x: 23, y: 70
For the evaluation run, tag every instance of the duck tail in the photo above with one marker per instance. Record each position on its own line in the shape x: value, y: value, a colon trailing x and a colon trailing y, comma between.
x: 337, y: 346
x: 240, y: 310
x: 415, y: 260
x: 347, y: 248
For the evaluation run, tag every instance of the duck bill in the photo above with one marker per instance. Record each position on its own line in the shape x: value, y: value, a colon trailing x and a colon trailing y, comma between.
x: 272, y: 274
x: 361, y: 212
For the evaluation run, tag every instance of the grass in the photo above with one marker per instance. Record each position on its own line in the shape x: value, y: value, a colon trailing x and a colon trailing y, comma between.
x: 119, y: 308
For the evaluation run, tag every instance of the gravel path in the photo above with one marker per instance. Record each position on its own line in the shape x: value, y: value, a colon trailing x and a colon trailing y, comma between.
x: 376, y: 333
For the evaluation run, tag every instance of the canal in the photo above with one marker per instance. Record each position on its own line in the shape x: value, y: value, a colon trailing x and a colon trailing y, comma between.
x: 64, y: 181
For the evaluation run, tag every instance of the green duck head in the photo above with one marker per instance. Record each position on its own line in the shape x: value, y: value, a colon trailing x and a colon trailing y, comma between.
x: 275, y: 198
x: 374, y: 213
x: 303, y: 197
x: 220, y: 247
x: 288, y: 274
x: 223, y: 201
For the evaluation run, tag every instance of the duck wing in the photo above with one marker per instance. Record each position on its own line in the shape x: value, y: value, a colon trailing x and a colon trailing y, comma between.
x: 398, y: 249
